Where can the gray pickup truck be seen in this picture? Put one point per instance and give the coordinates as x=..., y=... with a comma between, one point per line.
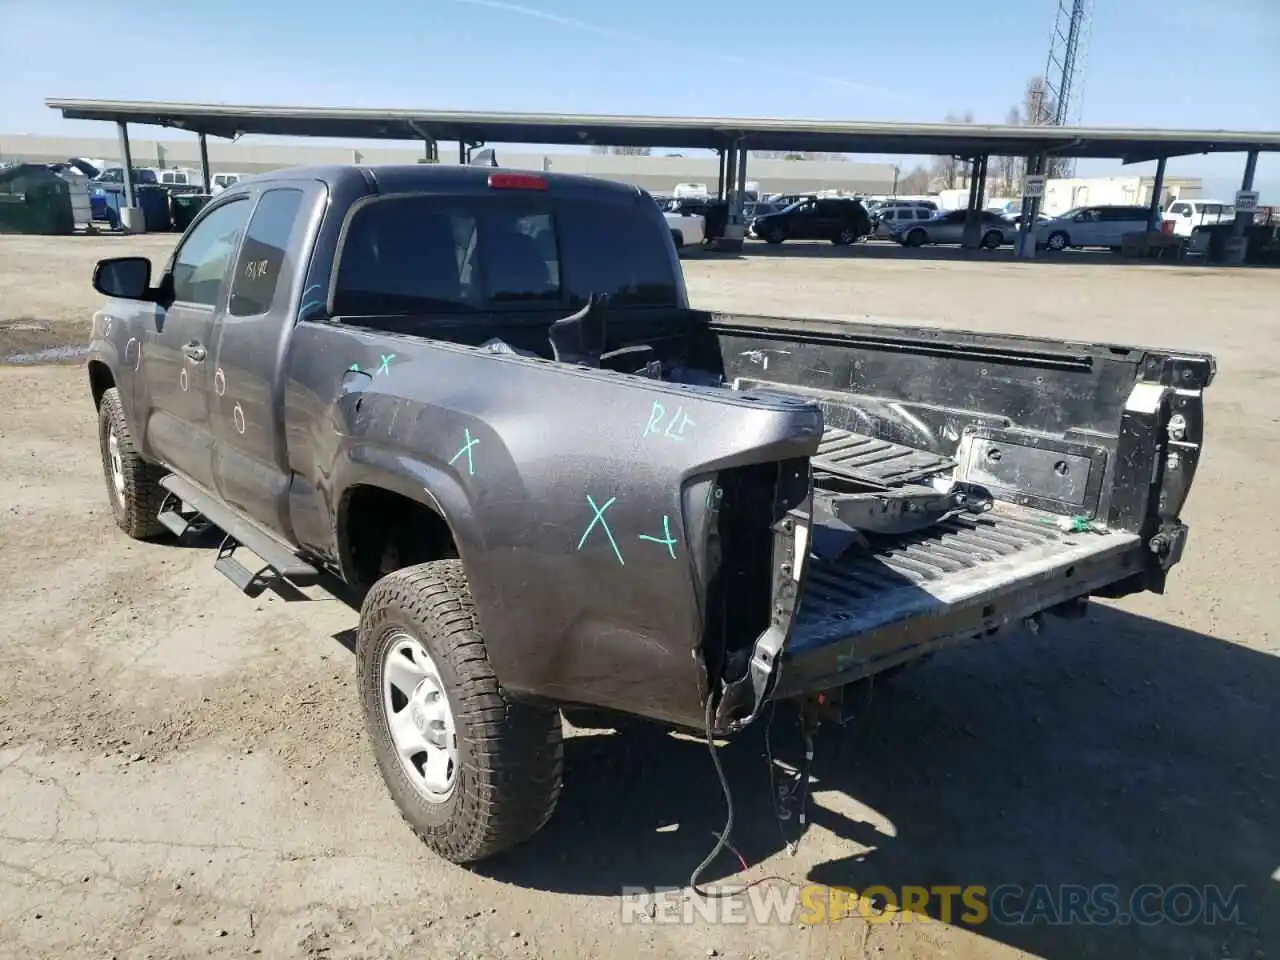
x=479, y=401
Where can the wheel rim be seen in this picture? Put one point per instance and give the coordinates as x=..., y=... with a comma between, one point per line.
x=419, y=718
x=846, y=236
x=117, y=464
x=1057, y=241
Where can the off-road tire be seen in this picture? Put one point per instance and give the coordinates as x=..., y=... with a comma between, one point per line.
x=137, y=507
x=510, y=754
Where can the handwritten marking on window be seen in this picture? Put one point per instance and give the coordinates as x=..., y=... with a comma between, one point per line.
x=255, y=269
x=466, y=449
x=599, y=518
x=354, y=367
x=667, y=540
x=675, y=425
x=385, y=366
x=714, y=495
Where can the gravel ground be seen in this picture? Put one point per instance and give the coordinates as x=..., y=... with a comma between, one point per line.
x=183, y=773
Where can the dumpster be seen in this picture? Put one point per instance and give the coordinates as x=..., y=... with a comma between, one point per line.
x=185, y=207
x=34, y=199
x=154, y=201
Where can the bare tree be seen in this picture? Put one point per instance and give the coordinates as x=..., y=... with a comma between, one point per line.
x=1008, y=170
x=622, y=151
x=796, y=155
x=1038, y=109
x=952, y=172
x=916, y=181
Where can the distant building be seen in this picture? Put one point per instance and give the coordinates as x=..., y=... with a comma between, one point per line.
x=657, y=174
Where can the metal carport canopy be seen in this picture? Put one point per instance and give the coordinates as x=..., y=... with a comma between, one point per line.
x=1133, y=145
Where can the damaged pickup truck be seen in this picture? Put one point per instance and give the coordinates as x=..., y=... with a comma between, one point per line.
x=480, y=400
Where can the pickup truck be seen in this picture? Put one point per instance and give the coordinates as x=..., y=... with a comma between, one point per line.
x=480, y=403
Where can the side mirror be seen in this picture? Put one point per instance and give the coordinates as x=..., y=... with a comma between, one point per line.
x=126, y=278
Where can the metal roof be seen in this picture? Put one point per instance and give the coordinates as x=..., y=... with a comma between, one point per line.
x=368, y=123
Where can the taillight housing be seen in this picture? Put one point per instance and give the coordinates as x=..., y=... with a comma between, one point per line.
x=516, y=181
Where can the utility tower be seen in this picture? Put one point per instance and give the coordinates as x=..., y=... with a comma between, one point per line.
x=1064, y=71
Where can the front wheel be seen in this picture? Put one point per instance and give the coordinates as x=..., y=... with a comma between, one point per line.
x=915, y=238
x=133, y=485
x=845, y=237
x=471, y=771
x=992, y=240
x=775, y=235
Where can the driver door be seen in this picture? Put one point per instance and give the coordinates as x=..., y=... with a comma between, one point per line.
x=177, y=355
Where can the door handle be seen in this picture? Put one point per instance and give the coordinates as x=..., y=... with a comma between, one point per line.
x=194, y=351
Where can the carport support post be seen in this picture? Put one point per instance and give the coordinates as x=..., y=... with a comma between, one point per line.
x=1243, y=219
x=1030, y=211
x=130, y=216
x=204, y=164
x=969, y=239
x=1157, y=190
x=735, y=172
x=720, y=184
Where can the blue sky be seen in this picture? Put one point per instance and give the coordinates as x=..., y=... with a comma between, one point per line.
x=1171, y=63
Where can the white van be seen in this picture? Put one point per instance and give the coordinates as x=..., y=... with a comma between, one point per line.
x=220, y=181
x=1098, y=226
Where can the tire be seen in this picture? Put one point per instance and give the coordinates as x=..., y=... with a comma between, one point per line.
x=507, y=757
x=133, y=485
x=993, y=240
x=1058, y=241
x=775, y=235
x=845, y=237
x=915, y=238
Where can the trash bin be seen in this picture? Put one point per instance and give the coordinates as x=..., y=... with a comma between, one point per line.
x=33, y=199
x=154, y=201
x=185, y=208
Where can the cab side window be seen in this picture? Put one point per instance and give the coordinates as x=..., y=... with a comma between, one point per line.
x=262, y=254
x=200, y=265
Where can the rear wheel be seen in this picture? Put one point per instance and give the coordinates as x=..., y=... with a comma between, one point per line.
x=915, y=238
x=1058, y=241
x=992, y=240
x=133, y=485
x=845, y=237
x=471, y=771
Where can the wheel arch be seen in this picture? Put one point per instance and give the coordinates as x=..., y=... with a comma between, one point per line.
x=385, y=502
x=101, y=379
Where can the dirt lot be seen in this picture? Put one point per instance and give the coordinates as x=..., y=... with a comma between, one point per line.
x=182, y=770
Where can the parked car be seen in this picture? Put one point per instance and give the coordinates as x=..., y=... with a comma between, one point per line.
x=1097, y=226
x=841, y=221
x=714, y=213
x=949, y=228
x=477, y=402
x=1185, y=215
x=687, y=229
x=886, y=218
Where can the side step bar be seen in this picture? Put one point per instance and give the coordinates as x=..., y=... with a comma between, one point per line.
x=279, y=561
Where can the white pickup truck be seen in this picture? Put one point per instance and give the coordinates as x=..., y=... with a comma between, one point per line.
x=687, y=229
x=1186, y=215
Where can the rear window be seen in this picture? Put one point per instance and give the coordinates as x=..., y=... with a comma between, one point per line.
x=425, y=254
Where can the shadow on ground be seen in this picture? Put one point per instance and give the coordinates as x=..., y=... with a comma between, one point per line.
x=1118, y=750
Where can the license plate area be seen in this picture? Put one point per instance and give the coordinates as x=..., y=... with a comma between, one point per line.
x=1047, y=473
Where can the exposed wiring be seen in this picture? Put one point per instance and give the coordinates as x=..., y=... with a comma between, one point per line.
x=723, y=838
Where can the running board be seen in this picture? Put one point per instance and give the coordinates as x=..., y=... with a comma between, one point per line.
x=279, y=563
